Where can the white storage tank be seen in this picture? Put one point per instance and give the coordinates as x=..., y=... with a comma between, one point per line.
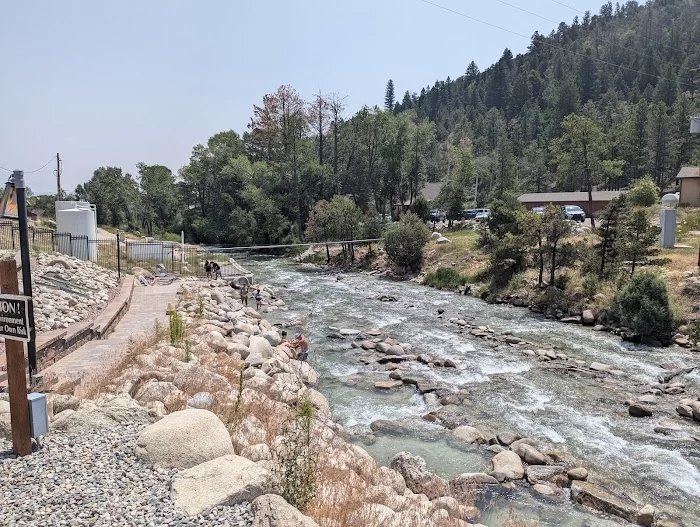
x=76, y=229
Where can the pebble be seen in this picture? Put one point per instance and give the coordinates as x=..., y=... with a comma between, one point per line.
x=95, y=479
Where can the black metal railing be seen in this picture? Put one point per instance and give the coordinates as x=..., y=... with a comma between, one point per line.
x=123, y=254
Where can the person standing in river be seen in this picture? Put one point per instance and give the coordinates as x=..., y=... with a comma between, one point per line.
x=258, y=299
x=207, y=269
x=217, y=270
x=244, y=295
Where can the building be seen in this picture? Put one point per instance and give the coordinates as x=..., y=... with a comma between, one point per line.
x=429, y=192
x=689, y=180
x=600, y=199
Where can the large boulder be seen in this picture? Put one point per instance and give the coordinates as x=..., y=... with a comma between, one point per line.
x=547, y=474
x=107, y=411
x=184, y=439
x=217, y=342
x=417, y=476
x=508, y=463
x=530, y=454
x=588, y=317
x=271, y=510
x=468, y=434
x=226, y=480
x=508, y=438
x=260, y=346
x=272, y=337
x=472, y=478
x=166, y=392
x=390, y=478
x=597, y=498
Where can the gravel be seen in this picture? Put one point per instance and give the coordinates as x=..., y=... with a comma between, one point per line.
x=95, y=479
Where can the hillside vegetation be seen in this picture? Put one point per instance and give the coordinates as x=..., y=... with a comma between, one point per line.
x=622, y=75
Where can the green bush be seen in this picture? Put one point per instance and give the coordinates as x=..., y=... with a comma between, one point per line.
x=446, y=278
x=644, y=306
x=645, y=193
x=404, y=241
x=421, y=208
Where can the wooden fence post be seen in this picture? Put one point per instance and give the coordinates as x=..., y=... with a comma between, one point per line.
x=16, y=370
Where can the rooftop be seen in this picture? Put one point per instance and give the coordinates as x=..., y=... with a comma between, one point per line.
x=689, y=172
x=566, y=197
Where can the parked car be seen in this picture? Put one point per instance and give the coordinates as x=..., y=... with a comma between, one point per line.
x=573, y=212
x=538, y=210
x=471, y=214
x=438, y=215
x=483, y=215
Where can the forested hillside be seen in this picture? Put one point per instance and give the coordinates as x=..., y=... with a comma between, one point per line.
x=617, y=85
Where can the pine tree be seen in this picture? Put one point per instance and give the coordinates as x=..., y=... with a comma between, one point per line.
x=609, y=232
x=389, y=100
x=638, y=240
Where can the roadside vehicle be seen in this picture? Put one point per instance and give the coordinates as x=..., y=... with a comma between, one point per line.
x=483, y=215
x=538, y=210
x=438, y=215
x=573, y=212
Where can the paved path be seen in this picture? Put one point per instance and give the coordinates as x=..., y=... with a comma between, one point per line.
x=148, y=304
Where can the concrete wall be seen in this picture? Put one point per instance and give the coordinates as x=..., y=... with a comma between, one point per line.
x=690, y=192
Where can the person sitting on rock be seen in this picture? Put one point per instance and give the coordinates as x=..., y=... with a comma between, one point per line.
x=301, y=344
x=284, y=337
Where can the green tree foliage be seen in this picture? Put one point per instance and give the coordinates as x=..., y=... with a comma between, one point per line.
x=337, y=220
x=645, y=307
x=116, y=196
x=609, y=231
x=503, y=218
x=389, y=97
x=645, y=193
x=421, y=208
x=404, y=241
x=159, y=201
x=638, y=240
x=555, y=229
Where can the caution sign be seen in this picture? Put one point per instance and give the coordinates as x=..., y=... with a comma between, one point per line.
x=14, y=317
x=8, y=206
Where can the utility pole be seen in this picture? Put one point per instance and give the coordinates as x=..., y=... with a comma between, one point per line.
x=58, y=177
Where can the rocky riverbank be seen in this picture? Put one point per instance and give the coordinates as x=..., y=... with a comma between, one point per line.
x=207, y=424
x=527, y=462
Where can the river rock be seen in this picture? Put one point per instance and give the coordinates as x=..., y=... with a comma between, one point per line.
x=684, y=410
x=544, y=490
x=226, y=480
x=508, y=438
x=570, y=320
x=472, y=478
x=496, y=448
x=260, y=346
x=272, y=337
x=271, y=510
x=424, y=386
x=530, y=454
x=510, y=339
x=395, y=350
x=645, y=516
x=367, y=345
x=201, y=400
x=388, y=385
x=418, y=478
x=509, y=463
x=639, y=410
x=546, y=474
x=578, y=474
x=588, y=317
x=696, y=410
x=184, y=439
x=383, y=347
x=600, y=499
x=599, y=366
x=469, y=435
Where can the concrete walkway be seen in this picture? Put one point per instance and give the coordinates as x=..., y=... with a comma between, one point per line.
x=88, y=362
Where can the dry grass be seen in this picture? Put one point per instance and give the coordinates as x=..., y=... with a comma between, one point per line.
x=461, y=254
x=511, y=520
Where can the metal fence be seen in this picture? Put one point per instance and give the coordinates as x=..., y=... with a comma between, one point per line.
x=125, y=255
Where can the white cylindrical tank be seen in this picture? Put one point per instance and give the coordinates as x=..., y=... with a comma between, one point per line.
x=76, y=229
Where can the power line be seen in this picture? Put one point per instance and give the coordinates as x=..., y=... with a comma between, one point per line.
x=608, y=41
x=649, y=39
x=554, y=46
x=32, y=171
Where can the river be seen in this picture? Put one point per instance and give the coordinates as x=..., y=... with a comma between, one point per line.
x=508, y=391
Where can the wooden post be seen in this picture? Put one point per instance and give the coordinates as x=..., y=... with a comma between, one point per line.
x=16, y=370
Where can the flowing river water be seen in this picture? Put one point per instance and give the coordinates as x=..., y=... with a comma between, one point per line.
x=507, y=391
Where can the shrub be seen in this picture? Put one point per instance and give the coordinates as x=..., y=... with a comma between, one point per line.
x=296, y=458
x=644, y=306
x=446, y=278
x=421, y=208
x=177, y=327
x=404, y=241
x=645, y=193
x=590, y=285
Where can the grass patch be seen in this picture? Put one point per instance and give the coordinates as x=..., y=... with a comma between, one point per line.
x=447, y=278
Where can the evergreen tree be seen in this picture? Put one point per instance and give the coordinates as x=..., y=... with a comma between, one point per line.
x=389, y=99
x=609, y=232
x=638, y=239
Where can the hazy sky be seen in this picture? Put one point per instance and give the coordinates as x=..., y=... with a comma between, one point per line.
x=122, y=81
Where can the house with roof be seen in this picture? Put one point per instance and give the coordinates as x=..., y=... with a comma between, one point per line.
x=542, y=199
x=430, y=191
x=689, y=180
